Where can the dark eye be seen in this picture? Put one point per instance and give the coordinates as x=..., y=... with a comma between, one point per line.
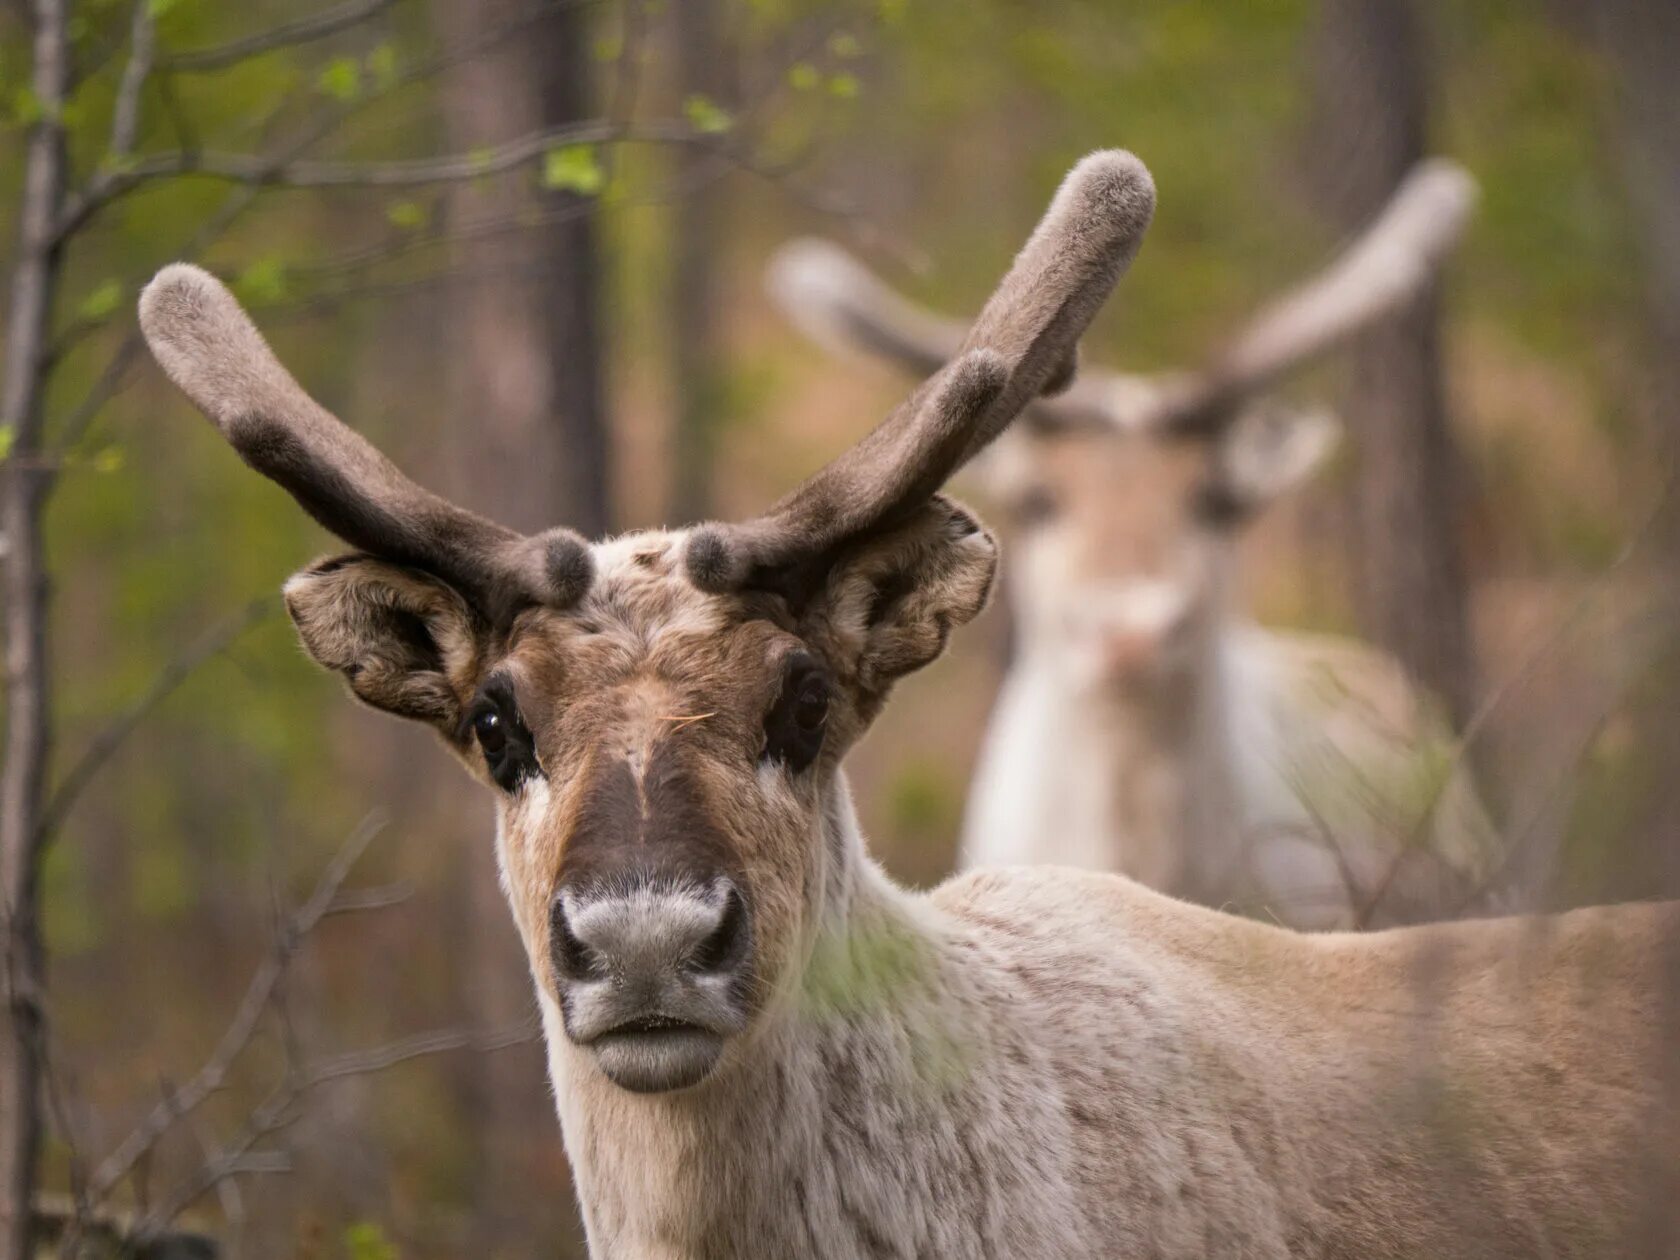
x=810, y=704
x=509, y=751
x=1037, y=505
x=491, y=731
x=794, y=727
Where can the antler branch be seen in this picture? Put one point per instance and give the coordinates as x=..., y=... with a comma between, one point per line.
x=1393, y=261
x=210, y=348
x=1023, y=343
x=836, y=300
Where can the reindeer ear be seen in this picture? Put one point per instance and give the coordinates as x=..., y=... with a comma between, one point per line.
x=1268, y=452
x=890, y=604
x=404, y=641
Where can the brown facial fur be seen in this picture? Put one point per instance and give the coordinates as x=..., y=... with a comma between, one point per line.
x=1097, y=519
x=646, y=704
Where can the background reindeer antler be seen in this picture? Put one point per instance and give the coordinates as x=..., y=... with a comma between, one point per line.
x=839, y=302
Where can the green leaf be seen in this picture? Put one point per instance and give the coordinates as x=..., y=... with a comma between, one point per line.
x=844, y=44
x=8, y=435
x=365, y=1240
x=102, y=301
x=27, y=109
x=381, y=66
x=407, y=215
x=157, y=8
x=843, y=85
x=341, y=79
x=109, y=460
x=802, y=76
x=607, y=48
x=707, y=116
x=573, y=168
x=263, y=281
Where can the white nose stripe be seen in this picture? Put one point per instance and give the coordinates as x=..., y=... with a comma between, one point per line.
x=1137, y=608
x=644, y=928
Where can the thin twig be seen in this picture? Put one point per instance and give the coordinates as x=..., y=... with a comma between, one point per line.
x=287, y=34
x=259, y=995
x=364, y=899
x=105, y=744
x=125, y=114
x=246, y=168
x=279, y=1109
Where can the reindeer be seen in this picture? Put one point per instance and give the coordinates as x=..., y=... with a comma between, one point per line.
x=1144, y=724
x=761, y=1046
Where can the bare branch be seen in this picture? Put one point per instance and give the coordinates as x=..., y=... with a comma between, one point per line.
x=259, y=996
x=125, y=114
x=397, y=173
x=286, y=35
x=111, y=183
x=240, y=1155
x=105, y=744
x=380, y=898
x=418, y=1046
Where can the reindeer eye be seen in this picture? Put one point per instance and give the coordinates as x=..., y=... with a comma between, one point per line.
x=810, y=704
x=509, y=751
x=793, y=729
x=489, y=728
x=1037, y=505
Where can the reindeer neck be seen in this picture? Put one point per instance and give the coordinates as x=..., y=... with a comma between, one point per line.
x=801, y=1145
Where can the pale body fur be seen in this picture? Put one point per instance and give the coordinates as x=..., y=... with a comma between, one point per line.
x=1041, y=1064
x=1332, y=791
x=1038, y=1062
x=1332, y=761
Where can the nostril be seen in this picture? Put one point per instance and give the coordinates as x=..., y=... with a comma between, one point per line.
x=572, y=958
x=726, y=947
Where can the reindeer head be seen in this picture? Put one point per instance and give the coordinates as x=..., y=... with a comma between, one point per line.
x=1125, y=492
x=661, y=716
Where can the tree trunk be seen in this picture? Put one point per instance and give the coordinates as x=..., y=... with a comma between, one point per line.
x=1642, y=40
x=697, y=380
x=1403, y=498
x=24, y=581
x=525, y=441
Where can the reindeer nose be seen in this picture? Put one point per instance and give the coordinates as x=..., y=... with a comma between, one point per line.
x=649, y=938
x=651, y=978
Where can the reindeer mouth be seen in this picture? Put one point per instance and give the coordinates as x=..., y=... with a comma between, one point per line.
x=652, y=1054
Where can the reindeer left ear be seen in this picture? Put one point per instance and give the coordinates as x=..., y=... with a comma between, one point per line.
x=1267, y=453
x=403, y=641
x=889, y=606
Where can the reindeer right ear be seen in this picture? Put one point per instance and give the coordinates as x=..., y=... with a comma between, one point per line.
x=404, y=641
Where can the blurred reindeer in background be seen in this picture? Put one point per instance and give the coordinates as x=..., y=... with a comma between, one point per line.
x=1145, y=724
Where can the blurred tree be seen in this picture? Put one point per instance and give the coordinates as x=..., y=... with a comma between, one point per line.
x=697, y=351
x=527, y=443
x=1403, y=499
x=23, y=578
x=1642, y=40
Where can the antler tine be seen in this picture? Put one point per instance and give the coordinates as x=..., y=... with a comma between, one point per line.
x=1390, y=263
x=1023, y=342
x=840, y=304
x=209, y=347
